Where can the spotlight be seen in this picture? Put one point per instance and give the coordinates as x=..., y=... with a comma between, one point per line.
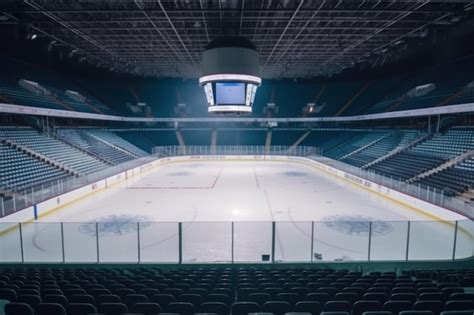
x=51, y=45
x=72, y=53
x=33, y=36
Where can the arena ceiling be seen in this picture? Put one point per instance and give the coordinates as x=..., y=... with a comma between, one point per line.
x=295, y=38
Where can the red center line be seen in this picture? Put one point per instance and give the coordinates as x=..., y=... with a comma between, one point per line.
x=180, y=187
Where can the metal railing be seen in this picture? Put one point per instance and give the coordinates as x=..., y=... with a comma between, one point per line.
x=126, y=241
x=170, y=151
x=235, y=242
x=22, y=198
x=18, y=198
x=430, y=194
x=426, y=193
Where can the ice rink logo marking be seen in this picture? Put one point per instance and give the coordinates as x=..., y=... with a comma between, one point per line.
x=182, y=173
x=115, y=225
x=294, y=174
x=357, y=225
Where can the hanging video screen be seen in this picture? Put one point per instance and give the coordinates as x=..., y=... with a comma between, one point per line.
x=230, y=93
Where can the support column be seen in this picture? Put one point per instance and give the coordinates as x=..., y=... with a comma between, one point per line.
x=268, y=141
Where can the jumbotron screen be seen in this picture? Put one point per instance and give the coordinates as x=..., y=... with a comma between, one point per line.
x=230, y=93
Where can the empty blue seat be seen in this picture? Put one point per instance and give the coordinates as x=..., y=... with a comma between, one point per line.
x=80, y=309
x=243, y=308
x=182, y=308
x=145, y=308
x=50, y=309
x=276, y=307
x=213, y=308
x=18, y=309
x=337, y=306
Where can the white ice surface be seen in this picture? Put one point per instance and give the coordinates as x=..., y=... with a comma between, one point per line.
x=206, y=196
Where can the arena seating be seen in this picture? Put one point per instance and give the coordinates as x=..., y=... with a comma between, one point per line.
x=12, y=92
x=454, y=180
x=54, y=149
x=427, y=155
x=197, y=136
x=75, y=104
x=137, y=138
x=452, y=83
x=327, y=140
x=96, y=149
x=110, y=137
x=376, y=90
x=336, y=94
x=231, y=291
x=361, y=140
x=240, y=136
x=21, y=170
x=150, y=137
x=451, y=143
x=406, y=165
x=332, y=97
x=90, y=143
x=380, y=148
x=286, y=136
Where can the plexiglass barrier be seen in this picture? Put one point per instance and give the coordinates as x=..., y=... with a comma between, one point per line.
x=234, y=242
x=15, y=199
x=20, y=198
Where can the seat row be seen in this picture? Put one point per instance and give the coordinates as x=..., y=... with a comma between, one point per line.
x=242, y=308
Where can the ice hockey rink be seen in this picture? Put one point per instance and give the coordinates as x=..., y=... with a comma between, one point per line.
x=317, y=217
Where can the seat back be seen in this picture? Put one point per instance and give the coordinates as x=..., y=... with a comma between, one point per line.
x=277, y=307
x=50, y=309
x=183, y=308
x=337, y=306
x=459, y=305
x=429, y=305
x=112, y=308
x=80, y=309
x=243, y=308
x=397, y=306
x=145, y=308
x=366, y=306
x=18, y=309
x=214, y=308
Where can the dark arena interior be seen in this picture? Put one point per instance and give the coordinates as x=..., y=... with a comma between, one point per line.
x=234, y=157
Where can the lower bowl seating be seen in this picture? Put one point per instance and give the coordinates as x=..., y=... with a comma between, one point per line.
x=233, y=291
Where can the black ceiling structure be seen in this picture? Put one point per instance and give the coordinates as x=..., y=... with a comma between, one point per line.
x=295, y=38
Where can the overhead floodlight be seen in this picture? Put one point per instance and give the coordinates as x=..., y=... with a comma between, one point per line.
x=51, y=45
x=72, y=53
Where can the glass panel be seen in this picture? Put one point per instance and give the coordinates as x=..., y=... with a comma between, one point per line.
x=118, y=241
x=465, y=239
x=389, y=240
x=8, y=206
x=207, y=242
x=10, y=246
x=80, y=242
x=252, y=241
x=341, y=240
x=42, y=242
x=293, y=241
x=19, y=201
x=431, y=240
x=159, y=242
